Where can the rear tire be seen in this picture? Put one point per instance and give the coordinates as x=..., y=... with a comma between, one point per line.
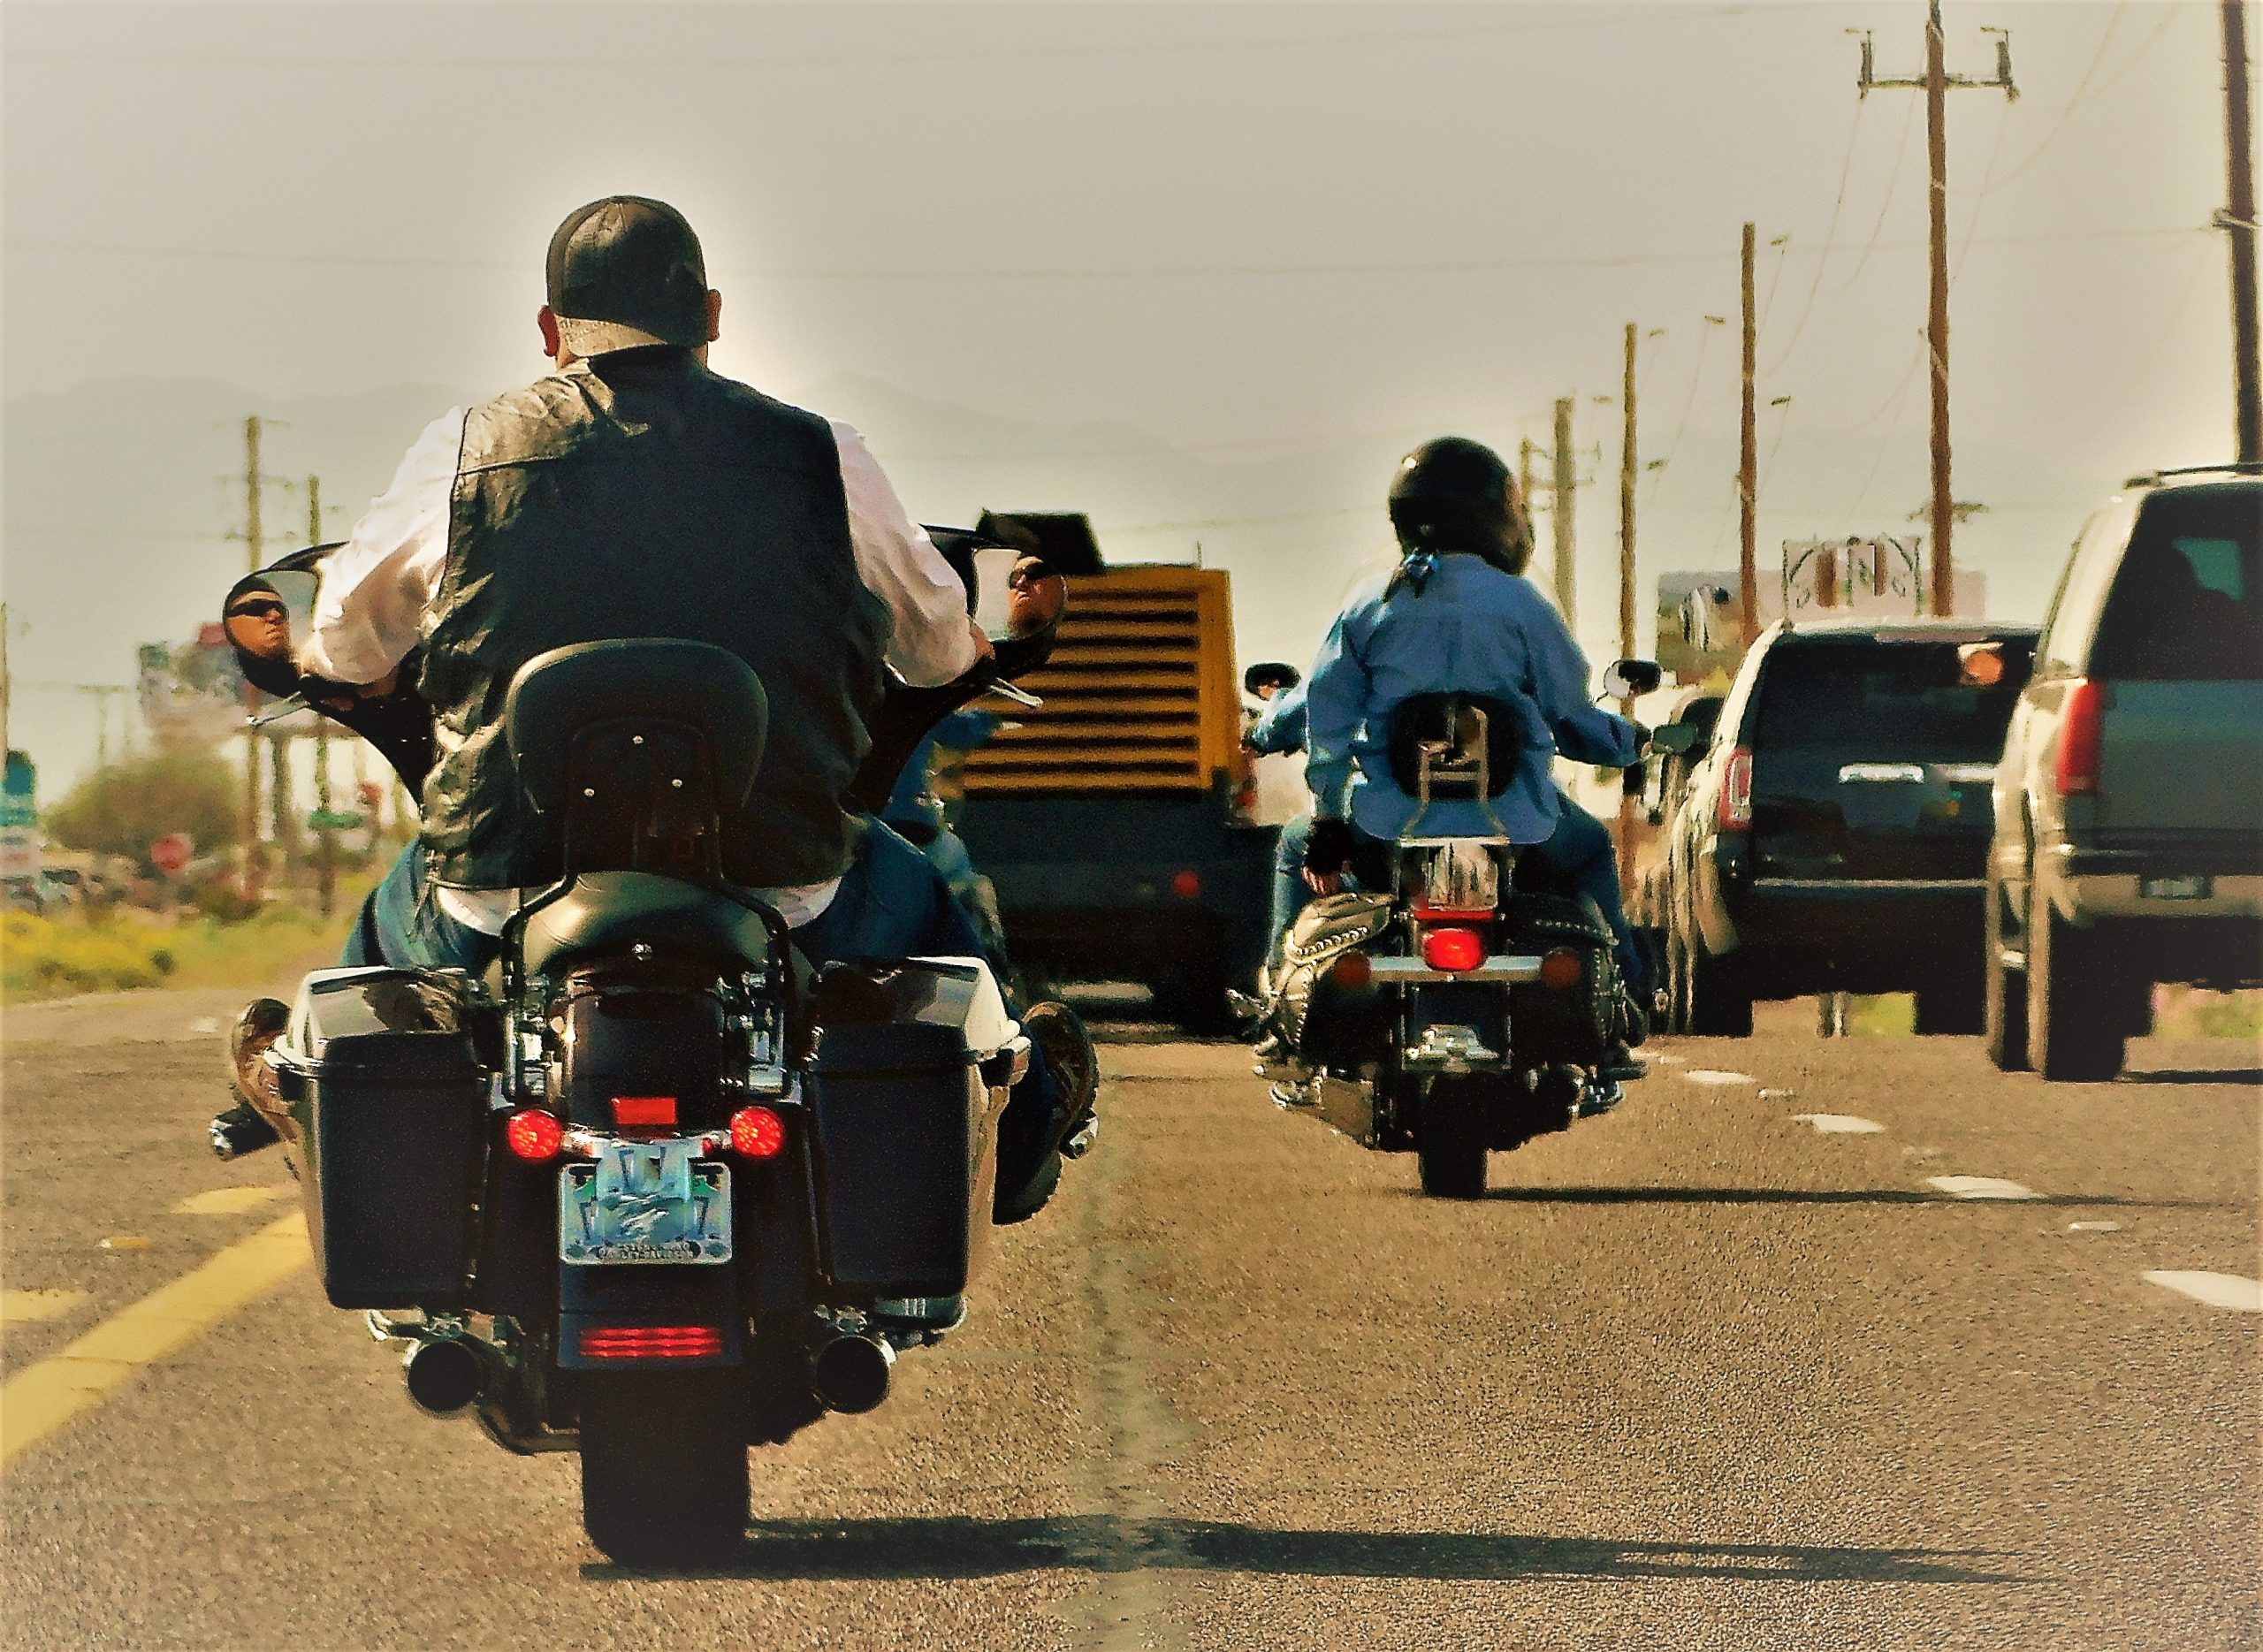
x=1955, y=1009
x=1450, y=1140
x=2074, y=1031
x=2003, y=993
x=1718, y=1004
x=665, y=1478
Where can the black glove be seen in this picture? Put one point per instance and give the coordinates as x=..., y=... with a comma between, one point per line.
x=1642, y=733
x=1328, y=851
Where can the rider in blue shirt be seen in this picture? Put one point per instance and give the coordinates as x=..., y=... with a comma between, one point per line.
x=1457, y=615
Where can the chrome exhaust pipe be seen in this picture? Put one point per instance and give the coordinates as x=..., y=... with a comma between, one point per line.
x=851, y=1375
x=444, y=1373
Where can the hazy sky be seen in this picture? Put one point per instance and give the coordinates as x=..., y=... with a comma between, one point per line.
x=1240, y=229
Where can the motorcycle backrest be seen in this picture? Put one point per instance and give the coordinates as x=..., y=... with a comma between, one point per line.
x=639, y=747
x=1455, y=746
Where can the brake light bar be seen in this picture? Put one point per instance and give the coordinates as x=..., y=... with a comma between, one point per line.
x=644, y=1112
x=2081, y=738
x=1734, y=812
x=651, y=1342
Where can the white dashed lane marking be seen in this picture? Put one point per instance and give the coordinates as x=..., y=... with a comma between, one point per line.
x=1838, y=1123
x=2093, y=1227
x=2218, y=1291
x=1715, y=1076
x=1979, y=1187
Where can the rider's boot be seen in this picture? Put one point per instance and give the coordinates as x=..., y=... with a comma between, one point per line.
x=259, y=1118
x=1050, y=1116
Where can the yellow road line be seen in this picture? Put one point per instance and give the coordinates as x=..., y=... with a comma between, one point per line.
x=228, y=1201
x=22, y=1307
x=42, y=1396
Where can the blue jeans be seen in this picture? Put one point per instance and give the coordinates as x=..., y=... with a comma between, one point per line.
x=1578, y=857
x=891, y=904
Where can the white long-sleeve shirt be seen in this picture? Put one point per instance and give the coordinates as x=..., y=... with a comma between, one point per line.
x=377, y=589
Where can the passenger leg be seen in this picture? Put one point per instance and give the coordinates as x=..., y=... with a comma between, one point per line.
x=1289, y=891
x=1582, y=854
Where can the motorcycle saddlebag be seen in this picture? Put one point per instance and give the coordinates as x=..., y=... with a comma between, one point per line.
x=1313, y=1019
x=1569, y=1025
x=382, y=1075
x=902, y=1139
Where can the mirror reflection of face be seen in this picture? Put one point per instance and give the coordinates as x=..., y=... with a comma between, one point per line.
x=1035, y=596
x=260, y=624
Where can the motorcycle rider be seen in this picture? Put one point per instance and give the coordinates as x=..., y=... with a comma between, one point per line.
x=632, y=491
x=1458, y=615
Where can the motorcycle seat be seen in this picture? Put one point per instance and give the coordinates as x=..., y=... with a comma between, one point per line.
x=606, y=911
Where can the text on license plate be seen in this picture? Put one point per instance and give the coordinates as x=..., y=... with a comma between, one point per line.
x=648, y=1203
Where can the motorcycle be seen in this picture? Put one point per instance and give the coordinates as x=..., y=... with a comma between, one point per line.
x=1467, y=1008
x=654, y=1192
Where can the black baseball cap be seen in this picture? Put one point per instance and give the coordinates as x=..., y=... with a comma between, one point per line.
x=625, y=272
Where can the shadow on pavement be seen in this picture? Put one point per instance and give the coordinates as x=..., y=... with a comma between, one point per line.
x=902, y=1550
x=1811, y=1196
x=2197, y=1075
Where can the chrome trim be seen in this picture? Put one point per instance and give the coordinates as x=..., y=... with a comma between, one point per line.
x=1448, y=1049
x=1512, y=969
x=1968, y=773
x=1900, y=772
x=1759, y=885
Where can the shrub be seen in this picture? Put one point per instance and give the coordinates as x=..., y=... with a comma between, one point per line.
x=123, y=809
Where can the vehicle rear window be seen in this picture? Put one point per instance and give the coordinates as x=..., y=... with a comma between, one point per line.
x=2187, y=603
x=1900, y=699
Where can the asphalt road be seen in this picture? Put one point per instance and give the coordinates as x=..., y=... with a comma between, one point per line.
x=1700, y=1373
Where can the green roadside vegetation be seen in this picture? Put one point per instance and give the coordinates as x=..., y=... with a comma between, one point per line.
x=54, y=957
x=2179, y=1012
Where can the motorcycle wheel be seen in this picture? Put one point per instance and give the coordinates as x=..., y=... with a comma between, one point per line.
x=1450, y=1140
x=665, y=1480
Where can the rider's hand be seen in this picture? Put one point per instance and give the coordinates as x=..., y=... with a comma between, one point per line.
x=1328, y=854
x=1643, y=732
x=984, y=648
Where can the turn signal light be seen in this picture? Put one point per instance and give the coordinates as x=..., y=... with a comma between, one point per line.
x=644, y=1112
x=1560, y=969
x=1351, y=971
x=651, y=1342
x=1734, y=813
x=757, y=1132
x=533, y=1135
x=2080, y=738
x=1451, y=949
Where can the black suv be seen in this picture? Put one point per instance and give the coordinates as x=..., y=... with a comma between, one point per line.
x=1834, y=834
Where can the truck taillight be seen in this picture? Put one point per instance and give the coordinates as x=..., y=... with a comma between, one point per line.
x=1734, y=813
x=1452, y=948
x=2080, y=739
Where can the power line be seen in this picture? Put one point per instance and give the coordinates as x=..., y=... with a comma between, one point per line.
x=1885, y=202
x=1846, y=171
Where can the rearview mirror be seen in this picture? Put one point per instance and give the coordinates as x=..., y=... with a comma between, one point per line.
x=267, y=616
x=1680, y=739
x=1631, y=679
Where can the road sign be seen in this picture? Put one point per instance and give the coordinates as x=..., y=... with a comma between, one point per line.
x=172, y=852
x=336, y=821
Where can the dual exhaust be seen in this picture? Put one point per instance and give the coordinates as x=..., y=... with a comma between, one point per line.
x=448, y=1373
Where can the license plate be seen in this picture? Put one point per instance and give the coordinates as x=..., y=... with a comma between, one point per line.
x=2195, y=887
x=645, y=1204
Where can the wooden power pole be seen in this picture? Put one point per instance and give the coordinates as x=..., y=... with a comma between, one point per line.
x=2238, y=221
x=253, y=482
x=1936, y=83
x=325, y=830
x=1564, y=497
x=1525, y=450
x=1627, y=467
x=1747, y=469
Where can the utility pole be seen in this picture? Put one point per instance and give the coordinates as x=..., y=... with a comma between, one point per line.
x=1525, y=450
x=1628, y=468
x=1564, y=494
x=325, y=830
x=253, y=483
x=1747, y=468
x=1936, y=84
x=2238, y=221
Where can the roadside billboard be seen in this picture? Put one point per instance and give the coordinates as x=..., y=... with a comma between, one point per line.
x=191, y=693
x=20, y=818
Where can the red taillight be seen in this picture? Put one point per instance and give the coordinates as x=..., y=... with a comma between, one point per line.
x=1351, y=971
x=1186, y=885
x=757, y=1132
x=1451, y=948
x=2079, y=740
x=651, y=1342
x=644, y=1112
x=533, y=1135
x=1735, y=812
x=1560, y=969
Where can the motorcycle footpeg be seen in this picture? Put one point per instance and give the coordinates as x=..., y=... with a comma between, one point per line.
x=1243, y=1005
x=1080, y=1140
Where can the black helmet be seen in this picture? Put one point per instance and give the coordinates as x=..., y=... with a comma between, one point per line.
x=1455, y=494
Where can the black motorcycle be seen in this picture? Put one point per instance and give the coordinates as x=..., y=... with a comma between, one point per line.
x=655, y=1192
x=1467, y=1008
